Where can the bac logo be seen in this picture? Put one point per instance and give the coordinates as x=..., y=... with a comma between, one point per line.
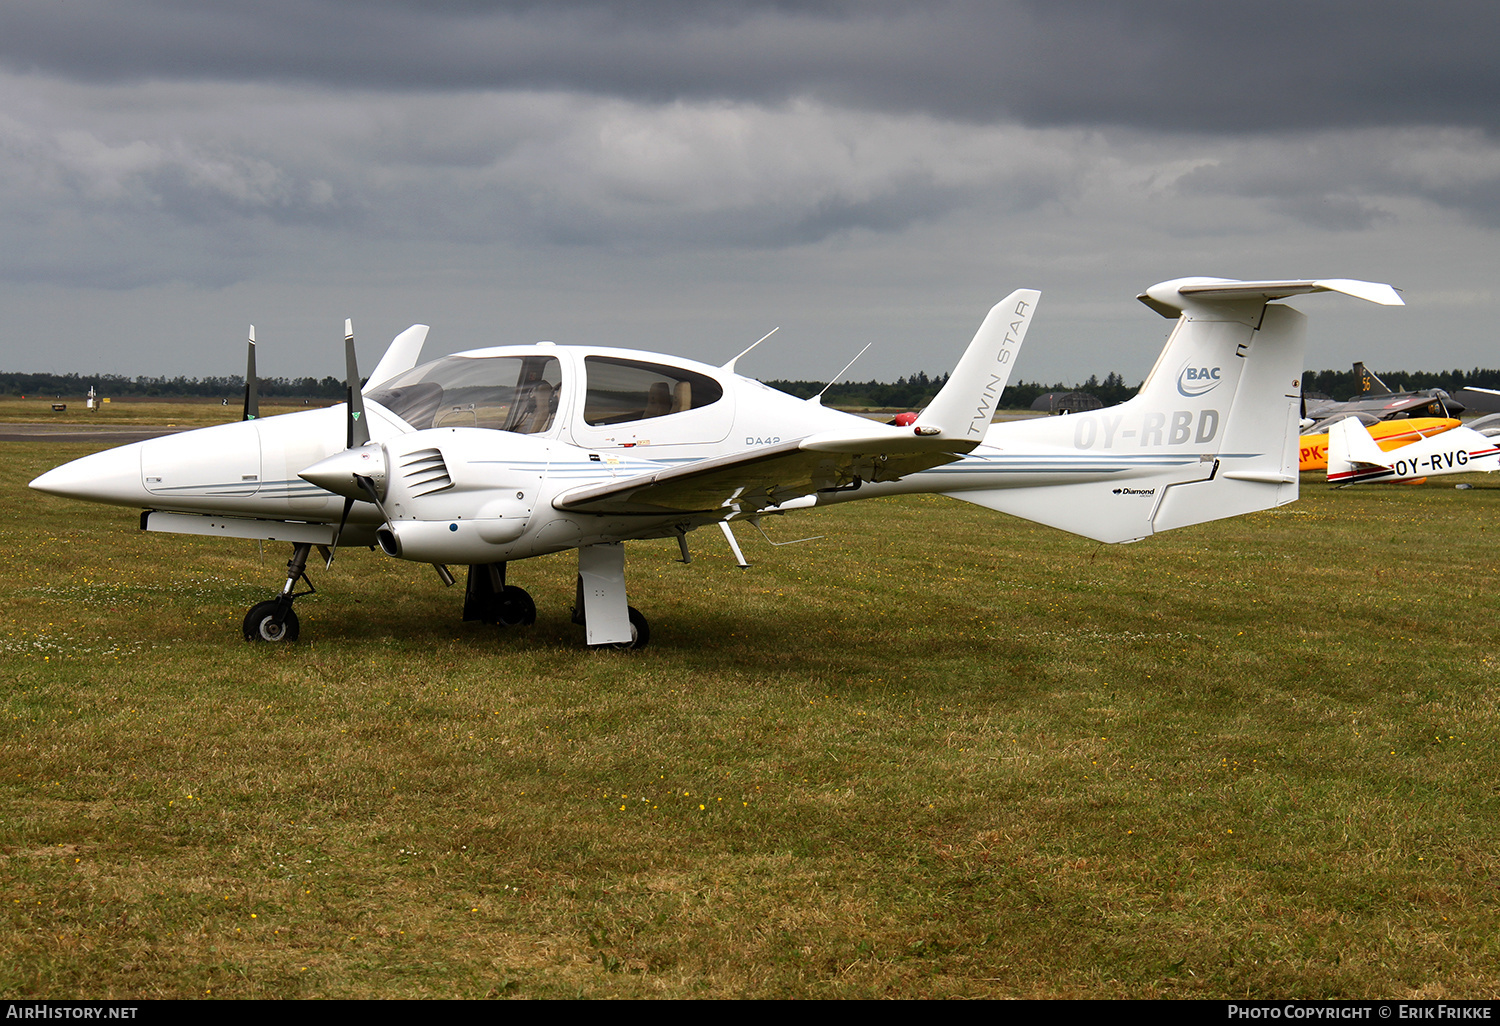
x=1195, y=381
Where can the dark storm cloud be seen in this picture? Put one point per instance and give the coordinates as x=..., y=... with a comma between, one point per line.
x=1350, y=181
x=1165, y=65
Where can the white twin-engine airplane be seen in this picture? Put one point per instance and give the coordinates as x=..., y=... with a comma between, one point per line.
x=499, y=454
x=1354, y=458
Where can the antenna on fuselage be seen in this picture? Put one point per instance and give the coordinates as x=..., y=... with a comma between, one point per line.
x=730, y=365
x=819, y=397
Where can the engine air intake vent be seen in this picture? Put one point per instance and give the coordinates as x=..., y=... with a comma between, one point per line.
x=425, y=472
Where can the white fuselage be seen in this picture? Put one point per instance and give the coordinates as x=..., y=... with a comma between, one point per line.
x=496, y=504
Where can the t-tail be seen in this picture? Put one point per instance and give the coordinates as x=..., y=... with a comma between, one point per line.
x=1211, y=434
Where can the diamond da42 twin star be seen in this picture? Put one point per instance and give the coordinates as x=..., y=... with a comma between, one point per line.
x=494, y=455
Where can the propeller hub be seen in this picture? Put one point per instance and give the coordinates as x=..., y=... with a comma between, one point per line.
x=340, y=473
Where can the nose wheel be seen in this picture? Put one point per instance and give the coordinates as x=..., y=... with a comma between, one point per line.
x=274, y=620
x=268, y=621
x=514, y=607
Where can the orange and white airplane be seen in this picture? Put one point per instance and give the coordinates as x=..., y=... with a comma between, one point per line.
x=1354, y=458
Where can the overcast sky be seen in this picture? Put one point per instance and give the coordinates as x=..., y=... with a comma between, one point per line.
x=685, y=175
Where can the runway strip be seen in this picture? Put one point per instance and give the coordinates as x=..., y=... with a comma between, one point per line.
x=80, y=433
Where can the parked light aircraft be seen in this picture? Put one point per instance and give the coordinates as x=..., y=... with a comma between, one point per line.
x=1354, y=458
x=1388, y=434
x=495, y=455
x=1375, y=397
x=1479, y=400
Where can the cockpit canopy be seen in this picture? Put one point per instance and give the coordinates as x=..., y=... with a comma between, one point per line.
x=508, y=393
x=524, y=393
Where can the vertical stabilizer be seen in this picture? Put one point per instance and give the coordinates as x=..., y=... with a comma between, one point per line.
x=1350, y=448
x=1369, y=383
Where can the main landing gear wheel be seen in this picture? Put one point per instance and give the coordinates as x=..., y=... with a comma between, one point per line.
x=265, y=622
x=514, y=607
x=639, y=633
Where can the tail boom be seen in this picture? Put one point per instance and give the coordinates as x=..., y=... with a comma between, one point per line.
x=1211, y=434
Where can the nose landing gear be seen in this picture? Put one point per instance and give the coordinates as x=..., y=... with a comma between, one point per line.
x=274, y=620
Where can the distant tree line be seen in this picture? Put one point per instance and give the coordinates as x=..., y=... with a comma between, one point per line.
x=1343, y=384
x=911, y=392
x=915, y=391
x=119, y=386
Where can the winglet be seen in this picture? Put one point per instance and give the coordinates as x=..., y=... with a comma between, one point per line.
x=963, y=409
x=252, y=383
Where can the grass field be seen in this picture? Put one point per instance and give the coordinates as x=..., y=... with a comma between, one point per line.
x=941, y=752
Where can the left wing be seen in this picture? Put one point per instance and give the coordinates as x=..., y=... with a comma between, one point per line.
x=744, y=482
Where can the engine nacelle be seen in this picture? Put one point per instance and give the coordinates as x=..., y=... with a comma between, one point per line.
x=454, y=495
x=453, y=541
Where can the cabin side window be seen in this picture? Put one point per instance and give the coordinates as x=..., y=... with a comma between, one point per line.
x=620, y=391
x=507, y=393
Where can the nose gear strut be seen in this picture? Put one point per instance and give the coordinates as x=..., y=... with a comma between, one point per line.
x=274, y=620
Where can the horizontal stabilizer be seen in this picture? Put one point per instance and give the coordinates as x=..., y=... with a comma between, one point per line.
x=1174, y=298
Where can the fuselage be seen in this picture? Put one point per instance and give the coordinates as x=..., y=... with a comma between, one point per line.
x=481, y=442
x=534, y=420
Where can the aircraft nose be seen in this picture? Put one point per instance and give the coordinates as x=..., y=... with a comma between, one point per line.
x=112, y=476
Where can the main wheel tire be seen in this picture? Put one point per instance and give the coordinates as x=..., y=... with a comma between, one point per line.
x=262, y=624
x=515, y=607
x=640, y=633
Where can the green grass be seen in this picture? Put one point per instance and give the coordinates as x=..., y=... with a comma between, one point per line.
x=941, y=752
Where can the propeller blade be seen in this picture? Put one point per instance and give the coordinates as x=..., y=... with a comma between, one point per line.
x=359, y=431
x=333, y=551
x=357, y=435
x=367, y=486
x=252, y=386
